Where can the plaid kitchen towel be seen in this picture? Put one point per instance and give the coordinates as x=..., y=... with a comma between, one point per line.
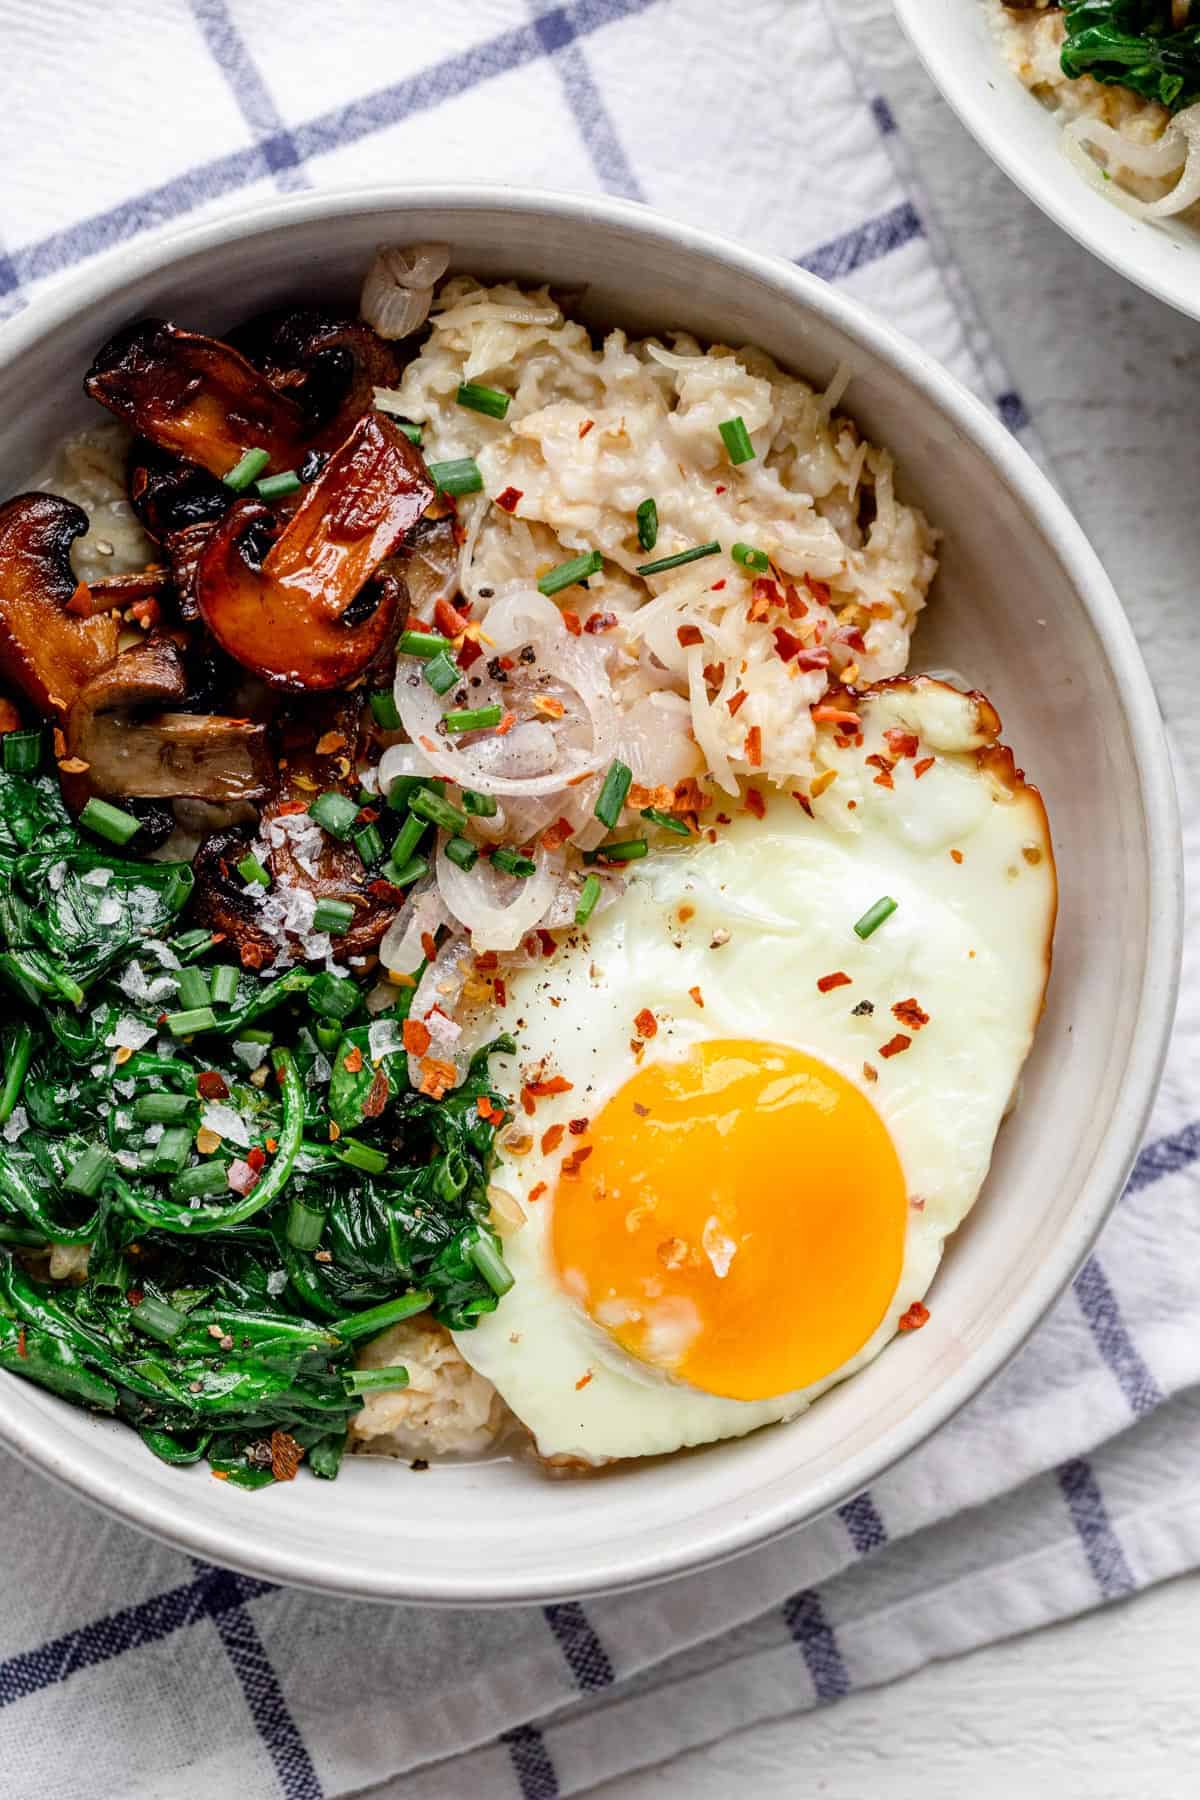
x=127, y=1669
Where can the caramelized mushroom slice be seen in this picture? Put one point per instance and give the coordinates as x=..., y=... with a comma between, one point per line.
x=331, y=366
x=46, y=651
x=220, y=900
x=160, y=754
x=297, y=616
x=195, y=397
x=170, y=495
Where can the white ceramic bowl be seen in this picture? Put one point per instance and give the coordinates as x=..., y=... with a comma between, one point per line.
x=1021, y=605
x=955, y=41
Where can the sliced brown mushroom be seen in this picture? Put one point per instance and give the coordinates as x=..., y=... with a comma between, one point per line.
x=196, y=397
x=330, y=365
x=303, y=615
x=170, y=495
x=122, y=727
x=45, y=650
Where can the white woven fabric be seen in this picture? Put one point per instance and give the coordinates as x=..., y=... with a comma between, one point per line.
x=126, y=1669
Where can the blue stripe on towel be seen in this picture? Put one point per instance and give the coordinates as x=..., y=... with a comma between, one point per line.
x=804, y=1616
x=868, y=243
x=1089, y=1515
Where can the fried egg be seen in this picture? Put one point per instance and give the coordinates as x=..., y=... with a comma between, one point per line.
x=749, y=1128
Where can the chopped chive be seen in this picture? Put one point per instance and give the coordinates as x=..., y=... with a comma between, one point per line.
x=589, y=893
x=874, y=916
x=480, y=806
x=404, y=785
x=360, y=1156
x=750, y=558
x=668, y=821
x=156, y=1318
x=169, y=1156
x=378, y=1318
x=247, y=469
x=274, y=487
x=632, y=850
x=647, y=524
x=201, y=1182
x=333, y=916
x=477, y=398
x=335, y=813
x=369, y=845
x=491, y=1265
x=462, y=851
x=736, y=440
x=22, y=752
x=87, y=1172
x=441, y=673
x=478, y=718
x=197, y=1018
x=190, y=946
x=373, y=1381
x=567, y=574
x=16, y=1067
x=404, y=876
x=437, y=810
x=421, y=643
x=251, y=1034
x=513, y=863
x=304, y=1225
x=250, y=869
x=328, y=1035
x=408, y=839
x=461, y=475
x=411, y=432
x=333, y=996
x=193, y=988
x=109, y=822
x=383, y=705
x=162, y=1109
x=613, y=794
x=683, y=556
x=224, y=984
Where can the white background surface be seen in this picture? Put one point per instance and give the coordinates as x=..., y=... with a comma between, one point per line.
x=1106, y=1707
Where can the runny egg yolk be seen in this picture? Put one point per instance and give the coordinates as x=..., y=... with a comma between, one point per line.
x=739, y=1220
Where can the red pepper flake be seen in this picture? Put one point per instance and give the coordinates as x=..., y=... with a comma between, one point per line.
x=755, y=803
x=272, y=1145
x=754, y=747
x=572, y=621
x=571, y=1165
x=835, y=715
x=352, y=1062
x=500, y=989
x=714, y=674
x=736, y=701
x=795, y=605
x=22, y=1352
x=486, y=961
x=717, y=586
x=449, y=621
x=285, y=1455
x=577, y=1127
x=804, y=803
x=212, y=1085
x=483, y=1107
x=549, y=706
x=895, y=1045
x=910, y=1013
x=583, y=1381
x=535, y=1193
x=838, y=979
x=469, y=654
x=556, y=835
x=884, y=779
x=145, y=613
x=414, y=1035
x=587, y=426
x=548, y=942
x=256, y=1157
x=901, y=743
x=437, y=1077
x=720, y=489
x=852, y=638
x=922, y=768
x=645, y=1024
x=696, y=995
x=916, y=1316
x=956, y=856
x=786, y=646
x=510, y=499
x=819, y=590
x=552, y=1137
x=377, y=1097
x=506, y=724
x=528, y=1104
x=689, y=634
x=557, y=1084
x=428, y=945
x=600, y=621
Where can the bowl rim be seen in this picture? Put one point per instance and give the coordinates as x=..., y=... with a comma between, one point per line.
x=237, y=1544
x=1038, y=176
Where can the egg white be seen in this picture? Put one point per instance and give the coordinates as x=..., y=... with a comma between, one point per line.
x=773, y=903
